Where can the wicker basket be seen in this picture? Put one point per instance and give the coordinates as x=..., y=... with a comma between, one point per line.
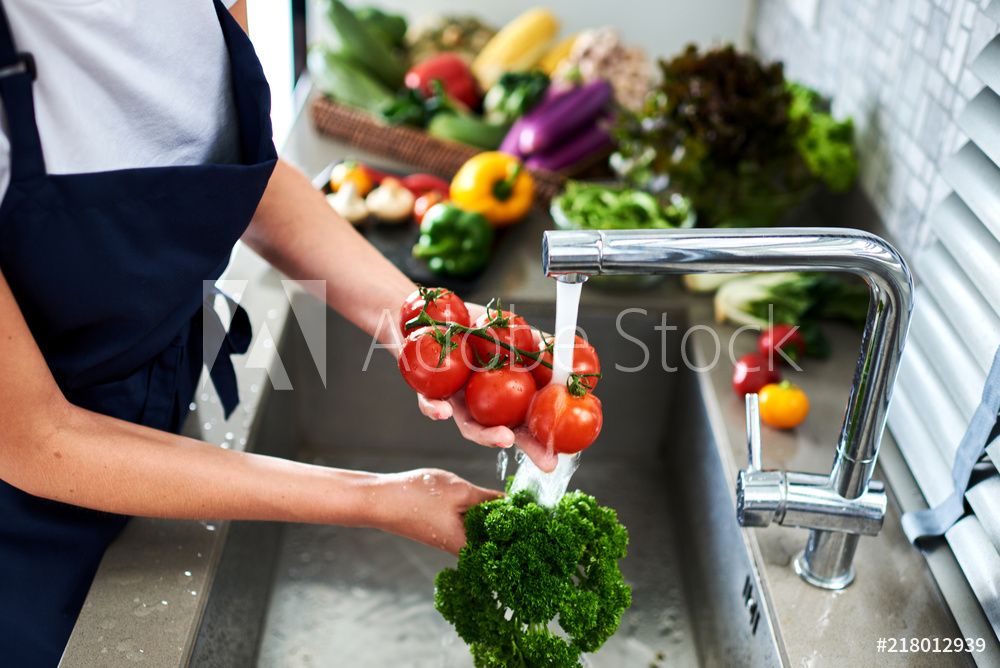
x=409, y=145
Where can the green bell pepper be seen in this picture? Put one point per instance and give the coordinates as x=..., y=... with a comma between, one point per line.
x=454, y=241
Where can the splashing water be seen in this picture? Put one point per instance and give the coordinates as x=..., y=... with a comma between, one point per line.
x=502, y=465
x=550, y=487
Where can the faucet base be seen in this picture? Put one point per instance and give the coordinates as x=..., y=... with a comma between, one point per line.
x=838, y=582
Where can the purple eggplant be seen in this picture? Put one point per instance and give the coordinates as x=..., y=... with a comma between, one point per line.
x=511, y=142
x=563, y=116
x=585, y=145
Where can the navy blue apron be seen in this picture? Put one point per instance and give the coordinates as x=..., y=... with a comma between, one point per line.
x=108, y=269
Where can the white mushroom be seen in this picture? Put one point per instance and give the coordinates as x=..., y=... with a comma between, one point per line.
x=391, y=201
x=348, y=203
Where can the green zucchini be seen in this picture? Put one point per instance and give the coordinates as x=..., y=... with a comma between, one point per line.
x=467, y=129
x=338, y=76
x=359, y=44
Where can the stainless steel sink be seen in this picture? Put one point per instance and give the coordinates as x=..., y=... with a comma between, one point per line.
x=326, y=596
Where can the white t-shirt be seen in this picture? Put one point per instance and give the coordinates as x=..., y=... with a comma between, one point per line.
x=125, y=84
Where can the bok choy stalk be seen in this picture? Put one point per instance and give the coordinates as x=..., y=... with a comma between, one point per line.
x=793, y=298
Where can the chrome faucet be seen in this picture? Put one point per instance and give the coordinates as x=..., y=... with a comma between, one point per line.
x=840, y=507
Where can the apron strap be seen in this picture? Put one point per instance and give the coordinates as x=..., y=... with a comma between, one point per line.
x=17, y=74
x=220, y=343
x=936, y=521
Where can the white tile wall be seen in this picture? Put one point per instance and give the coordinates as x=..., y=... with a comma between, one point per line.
x=900, y=68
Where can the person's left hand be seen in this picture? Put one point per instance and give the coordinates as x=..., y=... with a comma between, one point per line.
x=491, y=437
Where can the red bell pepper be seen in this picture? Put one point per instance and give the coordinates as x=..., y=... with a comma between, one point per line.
x=420, y=183
x=451, y=71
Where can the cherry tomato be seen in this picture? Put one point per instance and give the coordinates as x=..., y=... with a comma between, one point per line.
x=442, y=304
x=585, y=362
x=426, y=371
x=753, y=372
x=351, y=172
x=516, y=332
x=500, y=396
x=564, y=422
x=783, y=405
x=425, y=202
x=781, y=339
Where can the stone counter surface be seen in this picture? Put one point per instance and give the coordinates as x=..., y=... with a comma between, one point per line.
x=147, y=600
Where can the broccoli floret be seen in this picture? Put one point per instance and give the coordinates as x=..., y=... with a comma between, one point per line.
x=525, y=565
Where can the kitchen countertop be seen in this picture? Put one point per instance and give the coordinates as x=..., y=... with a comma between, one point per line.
x=147, y=599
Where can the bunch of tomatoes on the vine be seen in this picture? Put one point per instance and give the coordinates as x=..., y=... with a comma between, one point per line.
x=505, y=370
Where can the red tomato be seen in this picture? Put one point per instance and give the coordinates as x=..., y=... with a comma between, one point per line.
x=516, y=333
x=501, y=396
x=753, y=372
x=425, y=202
x=585, y=361
x=442, y=304
x=426, y=371
x=781, y=338
x=563, y=422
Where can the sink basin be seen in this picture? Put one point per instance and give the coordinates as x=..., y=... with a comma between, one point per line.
x=302, y=595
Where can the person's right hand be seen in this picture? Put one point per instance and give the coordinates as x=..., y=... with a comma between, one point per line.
x=427, y=505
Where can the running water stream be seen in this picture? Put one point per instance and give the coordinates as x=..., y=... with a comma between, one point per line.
x=550, y=487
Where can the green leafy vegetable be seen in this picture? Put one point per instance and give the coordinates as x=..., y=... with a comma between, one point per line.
x=525, y=565
x=596, y=207
x=802, y=299
x=726, y=130
x=826, y=144
x=514, y=95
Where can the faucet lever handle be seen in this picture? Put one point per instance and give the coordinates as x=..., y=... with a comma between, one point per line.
x=753, y=431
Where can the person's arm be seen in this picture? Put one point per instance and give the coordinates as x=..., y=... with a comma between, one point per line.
x=297, y=231
x=55, y=450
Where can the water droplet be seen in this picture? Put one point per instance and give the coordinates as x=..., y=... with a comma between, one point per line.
x=207, y=426
x=426, y=477
x=188, y=573
x=502, y=460
x=229, y=436
x=164, y=603
x=253, y=387
x=204, y=396
x=210, y=527
x=194, y=593
x=192, y=406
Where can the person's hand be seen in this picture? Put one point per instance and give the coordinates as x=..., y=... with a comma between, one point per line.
x=491, y=437
x=427, y=505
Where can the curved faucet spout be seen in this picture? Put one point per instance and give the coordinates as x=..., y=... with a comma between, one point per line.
x=828, y=554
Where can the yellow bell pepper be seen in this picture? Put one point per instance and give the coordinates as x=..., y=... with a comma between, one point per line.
x=494, y=184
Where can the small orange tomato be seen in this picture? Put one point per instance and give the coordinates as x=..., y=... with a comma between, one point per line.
x=783, y=405
x=350, y=171
x=425, y=202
